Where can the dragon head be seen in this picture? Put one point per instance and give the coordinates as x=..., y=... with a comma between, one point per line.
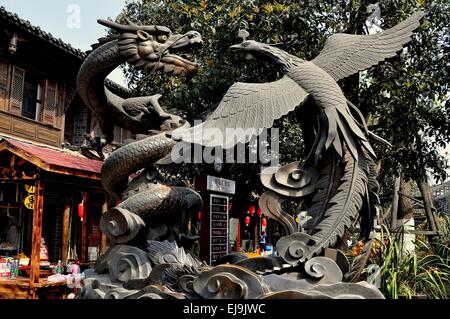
x=152, y=48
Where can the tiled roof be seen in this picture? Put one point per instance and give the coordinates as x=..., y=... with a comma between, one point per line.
x=27, y=26
x=37, y=31
x=53, y=160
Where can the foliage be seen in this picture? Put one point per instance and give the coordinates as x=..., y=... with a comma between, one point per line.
x=426, y=272
x=410, y=108
x=443, y=224
x=415, y=117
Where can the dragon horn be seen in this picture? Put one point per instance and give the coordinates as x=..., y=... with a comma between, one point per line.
x=130, y=22
x=132, y=27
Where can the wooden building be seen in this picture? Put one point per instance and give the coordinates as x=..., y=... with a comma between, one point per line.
x=43, y=176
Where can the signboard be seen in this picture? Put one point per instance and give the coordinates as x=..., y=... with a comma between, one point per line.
x=221, y=185
x=29, y=201
x=30, y=189
x=218, y=241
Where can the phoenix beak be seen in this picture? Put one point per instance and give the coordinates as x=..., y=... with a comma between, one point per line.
x=236, y=47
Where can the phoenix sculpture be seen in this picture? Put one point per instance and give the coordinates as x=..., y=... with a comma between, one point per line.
x=339, y=172
x=337, y=179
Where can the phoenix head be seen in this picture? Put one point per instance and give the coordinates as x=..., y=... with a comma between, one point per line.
x=268, y=52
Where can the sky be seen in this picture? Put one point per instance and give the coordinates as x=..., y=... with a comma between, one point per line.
x=74, y=21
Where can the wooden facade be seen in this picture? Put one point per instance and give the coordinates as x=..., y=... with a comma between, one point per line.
x=38, y=99
x=41, y=118
x=59, y=188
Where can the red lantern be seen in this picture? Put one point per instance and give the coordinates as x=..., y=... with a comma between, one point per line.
x=251, y=210
x=259, y=212
x=199, y=215
x=81, y=210
x=264, y=222
x=247, y=220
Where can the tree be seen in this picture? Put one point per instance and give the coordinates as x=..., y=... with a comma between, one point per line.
x=404, y=100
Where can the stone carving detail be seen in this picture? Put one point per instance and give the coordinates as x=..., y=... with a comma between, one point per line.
x=120, y=225
x=125, y=263
x=174, y=274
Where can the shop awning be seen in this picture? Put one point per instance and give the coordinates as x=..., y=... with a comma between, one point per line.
x=52, y=160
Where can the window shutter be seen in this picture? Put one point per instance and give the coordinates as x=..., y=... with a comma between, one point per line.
x=3, y=85
x=17, y=86
x=61, y=105
x=50, y=103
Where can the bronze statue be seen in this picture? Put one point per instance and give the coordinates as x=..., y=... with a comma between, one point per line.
x=150, y=48
x=337, y=178
x=341, y=142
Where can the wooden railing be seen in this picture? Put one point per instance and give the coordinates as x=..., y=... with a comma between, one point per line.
x=29, y=129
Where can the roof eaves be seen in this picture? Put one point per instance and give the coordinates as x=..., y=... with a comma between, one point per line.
x=37, y=31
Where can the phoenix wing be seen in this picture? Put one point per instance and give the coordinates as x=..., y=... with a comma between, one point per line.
x=347, y=54
x=247, y=108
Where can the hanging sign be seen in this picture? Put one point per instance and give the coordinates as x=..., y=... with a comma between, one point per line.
x=221, y=185
x=30, y=189
x=29, y=201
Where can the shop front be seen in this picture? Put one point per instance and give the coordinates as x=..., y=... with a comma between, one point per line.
x=229, y=225
x=51, y=202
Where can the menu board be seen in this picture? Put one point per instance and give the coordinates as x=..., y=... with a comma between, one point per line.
x=218, y=242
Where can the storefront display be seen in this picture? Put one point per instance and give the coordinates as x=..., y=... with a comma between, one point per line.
x=40, y=223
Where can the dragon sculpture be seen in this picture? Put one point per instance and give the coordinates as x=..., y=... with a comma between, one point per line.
x=337, y=179
x=150, y=48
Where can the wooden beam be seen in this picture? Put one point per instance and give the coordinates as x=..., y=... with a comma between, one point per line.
x=84, y=229
x=17, y=180
x=36, y=236
x=104, y=242
x=13, y=165
x=428, y=203
x=65, y=231
x=418, y=232
x=415, y=200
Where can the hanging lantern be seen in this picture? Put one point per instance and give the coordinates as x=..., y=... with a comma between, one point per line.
x=251, y=210
x=259, y=212
x=199, y=215
x=81, y=210
x=264, y=222
x=247, y=220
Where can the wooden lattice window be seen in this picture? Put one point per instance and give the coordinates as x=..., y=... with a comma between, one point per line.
x=50, y=103
x=17, y=86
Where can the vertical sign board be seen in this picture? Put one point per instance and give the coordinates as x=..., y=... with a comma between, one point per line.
x=218, y=240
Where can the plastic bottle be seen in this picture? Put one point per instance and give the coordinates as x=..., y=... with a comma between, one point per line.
x=59, y=268
x=17, y=268
x=12, y=269
x=69, y=268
